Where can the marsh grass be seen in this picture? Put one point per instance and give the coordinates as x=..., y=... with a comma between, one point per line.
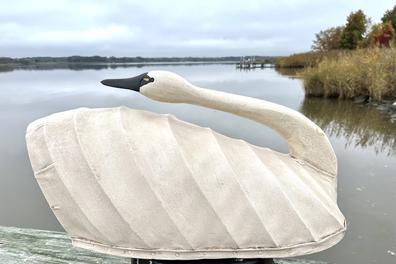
x=307, y=59
x=369, y=72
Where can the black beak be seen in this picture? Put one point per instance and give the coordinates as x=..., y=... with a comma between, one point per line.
x=133, y=83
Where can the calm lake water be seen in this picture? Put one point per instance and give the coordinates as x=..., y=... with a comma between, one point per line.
x=364, y=140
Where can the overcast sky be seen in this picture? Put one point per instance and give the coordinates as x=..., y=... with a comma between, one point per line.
x=170, y=27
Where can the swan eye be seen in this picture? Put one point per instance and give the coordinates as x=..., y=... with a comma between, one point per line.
x=147, y=79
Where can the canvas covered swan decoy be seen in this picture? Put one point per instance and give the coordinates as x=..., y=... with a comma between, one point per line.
x=144, y=185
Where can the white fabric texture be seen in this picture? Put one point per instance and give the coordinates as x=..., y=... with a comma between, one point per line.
x=138, y=184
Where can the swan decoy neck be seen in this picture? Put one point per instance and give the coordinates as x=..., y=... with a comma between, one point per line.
x=133, y=83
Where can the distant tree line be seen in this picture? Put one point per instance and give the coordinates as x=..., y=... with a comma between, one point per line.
x=100, y=59
x=358, y=32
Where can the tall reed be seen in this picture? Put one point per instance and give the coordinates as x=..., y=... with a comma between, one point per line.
x=368, y=72
x=306, y=59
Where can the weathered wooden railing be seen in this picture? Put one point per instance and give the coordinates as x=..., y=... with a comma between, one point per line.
x=31, y=246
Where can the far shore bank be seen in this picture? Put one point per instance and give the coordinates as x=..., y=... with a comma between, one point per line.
x=116, y=63
x=7, y=67
x=126, y=60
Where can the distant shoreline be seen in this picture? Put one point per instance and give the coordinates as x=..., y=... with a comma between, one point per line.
x=98, y=60
x=77, y=66
x=8, y=67
x=119, y=63
x=110, y=64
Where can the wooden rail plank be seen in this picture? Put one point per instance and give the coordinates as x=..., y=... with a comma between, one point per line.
x=19, y=245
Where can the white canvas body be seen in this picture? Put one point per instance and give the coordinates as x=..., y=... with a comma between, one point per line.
x=139, y=184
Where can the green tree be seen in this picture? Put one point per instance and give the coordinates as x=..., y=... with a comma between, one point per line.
x=390, y=15
x=355, y=29
x=329, y=39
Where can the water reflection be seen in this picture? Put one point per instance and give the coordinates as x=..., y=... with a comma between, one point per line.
x=360, y=125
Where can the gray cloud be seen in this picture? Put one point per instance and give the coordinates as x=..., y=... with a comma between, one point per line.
x=170, y=28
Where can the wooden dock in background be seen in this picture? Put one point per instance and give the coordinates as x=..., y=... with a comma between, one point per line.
x=252, y=63
x=18, y=245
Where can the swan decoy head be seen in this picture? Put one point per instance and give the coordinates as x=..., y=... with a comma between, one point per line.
x=158, y=85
